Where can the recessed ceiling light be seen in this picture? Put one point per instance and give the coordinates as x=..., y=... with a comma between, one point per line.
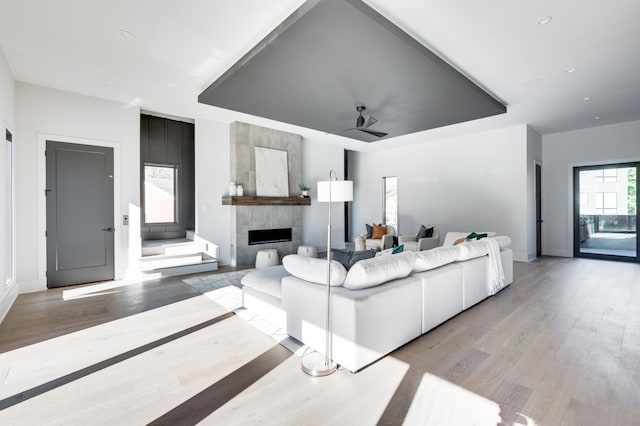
x=597, y=117
x=125, y=34
x=571, y=70
x=171, y=85
x=586, y=98
x=109, y=81
x=545, y=20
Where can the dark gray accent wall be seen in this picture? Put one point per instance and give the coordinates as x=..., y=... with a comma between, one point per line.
x=169, y=142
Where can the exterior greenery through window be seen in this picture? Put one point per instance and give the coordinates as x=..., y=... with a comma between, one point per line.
x=390, y=206
x=160, y=195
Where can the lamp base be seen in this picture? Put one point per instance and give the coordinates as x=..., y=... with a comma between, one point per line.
x=314, y=364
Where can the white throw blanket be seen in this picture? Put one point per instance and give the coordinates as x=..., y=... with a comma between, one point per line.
x=496, y=271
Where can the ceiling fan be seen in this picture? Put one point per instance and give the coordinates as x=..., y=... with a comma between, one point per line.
x=363, y=123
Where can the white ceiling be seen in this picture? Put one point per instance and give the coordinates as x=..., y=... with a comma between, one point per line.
x=177, y=49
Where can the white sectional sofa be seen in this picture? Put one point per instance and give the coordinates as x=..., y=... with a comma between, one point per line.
x=370, y=322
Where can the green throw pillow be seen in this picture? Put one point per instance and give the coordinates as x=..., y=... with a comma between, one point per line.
x=474, y=236
x=398, y=249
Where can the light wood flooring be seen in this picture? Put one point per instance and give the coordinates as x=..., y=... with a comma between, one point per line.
x=561, y=345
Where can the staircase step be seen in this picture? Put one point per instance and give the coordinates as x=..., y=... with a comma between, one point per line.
x=205, y=265
x=158, y=261
x=174, y=246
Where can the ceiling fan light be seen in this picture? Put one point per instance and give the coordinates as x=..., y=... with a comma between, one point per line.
x=360, y=121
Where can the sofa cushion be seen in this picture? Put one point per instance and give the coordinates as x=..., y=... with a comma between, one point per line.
x=453, y=236
x=472, y=249
x=268, y=280
x=436, y=257
x=313, y=269
x=378, y=270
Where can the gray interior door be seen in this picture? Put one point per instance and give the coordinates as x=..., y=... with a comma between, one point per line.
x=80, y=226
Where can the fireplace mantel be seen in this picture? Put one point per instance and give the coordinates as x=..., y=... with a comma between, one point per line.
x=265, y=201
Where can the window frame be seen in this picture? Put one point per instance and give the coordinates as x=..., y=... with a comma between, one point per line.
x=176, y=194
x=385, y=218
x=9, y=274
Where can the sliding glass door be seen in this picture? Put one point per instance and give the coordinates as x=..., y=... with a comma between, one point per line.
x=606, y=211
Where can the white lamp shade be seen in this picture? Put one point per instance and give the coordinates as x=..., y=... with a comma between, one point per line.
x=341, y=190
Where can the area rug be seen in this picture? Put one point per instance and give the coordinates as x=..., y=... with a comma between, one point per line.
x=226, y=290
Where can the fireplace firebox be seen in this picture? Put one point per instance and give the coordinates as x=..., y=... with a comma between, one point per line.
x=266, y=236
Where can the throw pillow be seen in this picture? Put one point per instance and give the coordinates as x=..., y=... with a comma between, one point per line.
x=357, y=256
x=313, y=269
x=398, y=249
x=424, y=232
x=375, y=271
x=369, y=230
x=342, y=256
x=378, y=232
x=475, y=236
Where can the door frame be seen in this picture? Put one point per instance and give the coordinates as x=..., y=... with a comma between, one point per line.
x=575, y=210
x=40, y=283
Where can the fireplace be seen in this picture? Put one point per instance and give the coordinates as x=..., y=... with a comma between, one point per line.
x=266, y=236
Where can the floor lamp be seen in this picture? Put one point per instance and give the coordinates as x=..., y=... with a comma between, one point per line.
x=331, y=191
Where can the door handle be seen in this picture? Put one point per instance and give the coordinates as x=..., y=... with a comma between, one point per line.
x=109, y=229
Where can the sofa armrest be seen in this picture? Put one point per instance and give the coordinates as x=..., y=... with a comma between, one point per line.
x=405, y=238
x=387, y=241
x=428, y=243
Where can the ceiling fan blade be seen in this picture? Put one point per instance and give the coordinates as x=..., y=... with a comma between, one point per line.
x=374, y=133
x=370, y=121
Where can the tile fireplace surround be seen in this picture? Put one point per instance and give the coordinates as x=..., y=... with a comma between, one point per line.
x=244, y=218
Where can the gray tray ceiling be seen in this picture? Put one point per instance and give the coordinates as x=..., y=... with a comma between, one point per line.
x=331, y=55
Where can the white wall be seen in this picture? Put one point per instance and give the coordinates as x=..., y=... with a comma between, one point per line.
x=469, y=183
x=534, y=155
x=563, y=151
x=7, y=121
x=318, y=159
x=213, y=220
x=42, y=113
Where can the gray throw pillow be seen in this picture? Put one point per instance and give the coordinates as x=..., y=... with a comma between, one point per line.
x=424, y=232
x=342, y=256
x=357, y=256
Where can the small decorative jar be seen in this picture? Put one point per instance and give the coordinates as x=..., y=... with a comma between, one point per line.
x=232, y=189
x=240, y=191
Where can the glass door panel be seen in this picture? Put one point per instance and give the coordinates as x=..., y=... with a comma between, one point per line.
x=606, y=211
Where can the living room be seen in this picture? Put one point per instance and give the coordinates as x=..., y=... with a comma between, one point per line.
x=478, y=175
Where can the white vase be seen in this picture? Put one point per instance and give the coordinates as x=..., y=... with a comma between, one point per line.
x=240, y=191
x=232, y=189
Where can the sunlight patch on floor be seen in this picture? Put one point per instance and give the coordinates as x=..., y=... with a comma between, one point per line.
x=439, y=402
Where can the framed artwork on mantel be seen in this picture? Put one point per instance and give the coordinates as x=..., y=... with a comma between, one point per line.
x=272, y=173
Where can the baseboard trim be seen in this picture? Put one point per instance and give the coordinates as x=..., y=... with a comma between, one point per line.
x=7, y=302
x=558, y=253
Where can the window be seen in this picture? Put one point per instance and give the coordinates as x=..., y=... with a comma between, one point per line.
x=8, y=274
x=606, y=203
x=160, y=194
x=584, y=198
x=390, y=206
x=606, y=175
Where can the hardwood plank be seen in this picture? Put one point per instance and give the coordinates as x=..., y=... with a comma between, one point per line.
x=560, y=345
